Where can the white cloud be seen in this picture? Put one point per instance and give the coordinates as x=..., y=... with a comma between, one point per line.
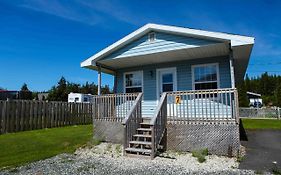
x=88, y=12
x=69, y=10
x=114, y=10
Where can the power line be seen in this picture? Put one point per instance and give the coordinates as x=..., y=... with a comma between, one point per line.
x=266, y=71
x=263, y=64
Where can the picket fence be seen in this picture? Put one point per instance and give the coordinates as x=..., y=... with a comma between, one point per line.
x=23, y=115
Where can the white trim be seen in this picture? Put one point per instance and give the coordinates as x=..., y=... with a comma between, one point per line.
x=235, y=40
x=124, y=80
x=231, y=67
x=252, y=93
x=201, y=65
x=175, y=81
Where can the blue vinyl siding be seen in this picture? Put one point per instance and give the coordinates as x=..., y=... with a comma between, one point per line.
x=184, y=75
x=163, y=42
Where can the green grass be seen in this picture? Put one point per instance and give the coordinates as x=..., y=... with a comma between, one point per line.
x=261, y=124
x=23, y=147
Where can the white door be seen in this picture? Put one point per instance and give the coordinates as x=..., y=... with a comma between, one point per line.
x=166, y=80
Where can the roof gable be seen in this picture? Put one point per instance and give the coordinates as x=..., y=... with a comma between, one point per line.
x=235, y=40
x=241, y=47
x=163, y=42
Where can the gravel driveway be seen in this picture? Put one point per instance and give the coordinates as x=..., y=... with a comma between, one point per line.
x=107, y=159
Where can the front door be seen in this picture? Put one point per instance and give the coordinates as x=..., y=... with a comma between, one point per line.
x=166, y=80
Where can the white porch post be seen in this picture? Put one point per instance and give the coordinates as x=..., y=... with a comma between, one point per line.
x=99, y=80
x=231, y=69
x=115, y=84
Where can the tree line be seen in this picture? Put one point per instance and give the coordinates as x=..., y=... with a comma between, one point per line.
x=269, y=86
x=60, y=91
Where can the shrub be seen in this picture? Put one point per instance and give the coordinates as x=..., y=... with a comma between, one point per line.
x=200, y=154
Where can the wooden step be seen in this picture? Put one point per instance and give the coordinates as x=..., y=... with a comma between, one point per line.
x=140, y=142
x=146, y=119
x=144, y=129
x=138, y=150
x=145, y=123
x=142, y=135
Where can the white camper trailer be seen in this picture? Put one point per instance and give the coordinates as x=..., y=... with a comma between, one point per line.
x=79, y=98
x=255, y=99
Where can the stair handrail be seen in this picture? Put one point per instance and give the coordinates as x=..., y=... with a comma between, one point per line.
x=158, y=124
x=132, y=120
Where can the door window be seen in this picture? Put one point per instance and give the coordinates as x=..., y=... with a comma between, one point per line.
x=167, y=82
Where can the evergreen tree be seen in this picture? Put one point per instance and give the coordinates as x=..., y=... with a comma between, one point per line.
x=242, y=95
x=58, y=93
x=25, y=93
x=105, y=90
x=278, y=96
x=24, y=87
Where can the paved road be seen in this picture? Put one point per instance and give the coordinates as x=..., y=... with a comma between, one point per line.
x=262, y=148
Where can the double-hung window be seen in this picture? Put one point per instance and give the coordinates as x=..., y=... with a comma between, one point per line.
x=133, y=82
x=205, y=76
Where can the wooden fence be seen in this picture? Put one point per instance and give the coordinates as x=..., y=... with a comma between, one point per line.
x=23, y=115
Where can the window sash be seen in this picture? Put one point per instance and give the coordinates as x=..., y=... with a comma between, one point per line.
x=135, y=78
x=135, y=81
x=199, y=82
x=204, y=72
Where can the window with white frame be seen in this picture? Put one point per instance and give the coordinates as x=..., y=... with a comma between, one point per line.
x=205, y=76
x=133, y=82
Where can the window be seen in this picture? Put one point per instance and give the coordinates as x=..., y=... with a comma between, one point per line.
x=167, y=82
x=151, y=37
x=133, y=82
x=205, y=76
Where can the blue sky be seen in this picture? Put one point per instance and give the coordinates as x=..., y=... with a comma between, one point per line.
x=42, y=40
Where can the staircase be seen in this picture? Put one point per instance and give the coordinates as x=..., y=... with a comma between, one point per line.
x=144, y=136
x=141, y=143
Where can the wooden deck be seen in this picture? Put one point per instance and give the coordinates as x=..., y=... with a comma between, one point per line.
x=145, y=137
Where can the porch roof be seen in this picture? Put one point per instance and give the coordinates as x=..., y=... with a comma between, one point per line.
x=223, y=42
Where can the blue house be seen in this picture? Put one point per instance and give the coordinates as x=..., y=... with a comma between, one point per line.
x=174, y=89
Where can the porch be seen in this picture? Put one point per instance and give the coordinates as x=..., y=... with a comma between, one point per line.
x=182, y=120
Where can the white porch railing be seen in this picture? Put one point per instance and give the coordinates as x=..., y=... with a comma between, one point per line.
x=203, y=105
x=113, y=107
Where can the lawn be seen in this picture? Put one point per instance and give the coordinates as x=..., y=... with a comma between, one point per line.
x=23, y=147
x=261, y=124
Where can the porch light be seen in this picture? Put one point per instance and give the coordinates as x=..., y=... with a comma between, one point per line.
x=151, y=73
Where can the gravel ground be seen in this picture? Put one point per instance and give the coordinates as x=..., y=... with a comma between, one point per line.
x=108, y=159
